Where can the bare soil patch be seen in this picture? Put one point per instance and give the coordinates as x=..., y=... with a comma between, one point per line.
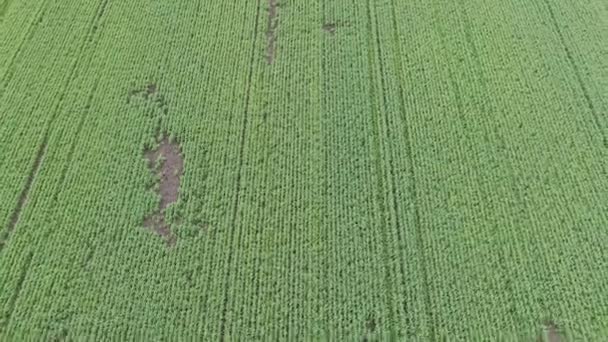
x=150, y=92
x=167, y=163
x=171, y=170
x=370, y=324
x=61, y=335
x=552, y=333
x=271, y=33
x=370, y=328
x=151, y=89
x=145, y=92
x=329, y=28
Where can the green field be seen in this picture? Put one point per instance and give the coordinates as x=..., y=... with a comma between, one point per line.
x=428, y=170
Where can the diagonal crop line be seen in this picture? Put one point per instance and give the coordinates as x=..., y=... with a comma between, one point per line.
x=24, y=196
x=13, y=300
x=71, y=151
x=16, y=215
x=31, y=29
x=4, y=5
x=577, y=73
x=89, y=101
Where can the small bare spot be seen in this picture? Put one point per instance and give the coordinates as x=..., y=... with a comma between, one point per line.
x=370, y=324
x=151, y=94
x=189, y=277
x=167, y=163
x=87, y=262
x=271, y=34
x=329, y=28
x=61, y=335
x=151, y=89
x=550, y=333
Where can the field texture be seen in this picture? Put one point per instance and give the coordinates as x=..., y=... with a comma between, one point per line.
x=292, y=170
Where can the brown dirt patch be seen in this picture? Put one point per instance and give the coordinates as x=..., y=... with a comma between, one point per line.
x=167, y=163
x=551, y=332
x=171, y=170
x=329, y=28
x=271, y=33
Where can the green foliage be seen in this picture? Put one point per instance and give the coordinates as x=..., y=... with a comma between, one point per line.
x=401, y=170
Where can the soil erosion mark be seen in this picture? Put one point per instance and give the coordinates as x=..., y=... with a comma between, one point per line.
x=167, y=163
x=271, y=34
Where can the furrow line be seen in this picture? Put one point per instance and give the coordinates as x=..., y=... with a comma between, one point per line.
x=23, y=198
x=13, y=301
x=237, y=196
x=484, y=85
x=89, y=101
x=44, y=145
x=389, y=151
x=413, y=191
x=4, y=5
x=74, y=143
x=378, y=164
x=577, y=73
x=8, y=75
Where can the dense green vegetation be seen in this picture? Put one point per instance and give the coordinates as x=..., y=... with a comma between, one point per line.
x=286, y=170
